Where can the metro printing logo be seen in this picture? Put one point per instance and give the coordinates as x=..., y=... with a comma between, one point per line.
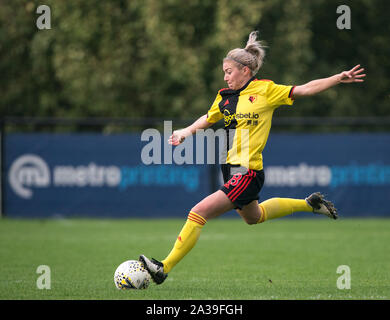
x=372, y=174
x=30, y=171
x=107, y=175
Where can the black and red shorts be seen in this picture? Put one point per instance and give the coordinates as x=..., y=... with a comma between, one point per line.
x=241, y=185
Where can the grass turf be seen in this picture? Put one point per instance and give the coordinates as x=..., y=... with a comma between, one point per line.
x=280, y=259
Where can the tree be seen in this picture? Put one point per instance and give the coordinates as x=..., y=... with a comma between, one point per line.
x=152, y=58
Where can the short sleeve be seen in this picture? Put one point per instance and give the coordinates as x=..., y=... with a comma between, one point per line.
x=279, y=94
x=214, y=114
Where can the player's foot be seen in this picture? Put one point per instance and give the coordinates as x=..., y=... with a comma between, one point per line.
x=155, y=269
x=321, y=206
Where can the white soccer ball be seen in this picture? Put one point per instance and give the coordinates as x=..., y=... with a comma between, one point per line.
x=131, y=274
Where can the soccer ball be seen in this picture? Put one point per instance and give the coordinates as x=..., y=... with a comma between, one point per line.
x=131, y=274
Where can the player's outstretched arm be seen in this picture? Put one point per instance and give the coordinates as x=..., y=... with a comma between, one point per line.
x=319, y=85
x=178, y=136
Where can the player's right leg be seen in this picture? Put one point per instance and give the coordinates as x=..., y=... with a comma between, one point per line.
x=210, y=207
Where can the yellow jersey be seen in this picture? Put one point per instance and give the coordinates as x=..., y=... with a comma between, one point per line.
x=247, y=114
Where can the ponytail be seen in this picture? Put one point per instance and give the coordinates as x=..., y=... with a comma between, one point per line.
x=251, y=56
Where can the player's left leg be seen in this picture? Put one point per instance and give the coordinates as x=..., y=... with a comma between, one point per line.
x=251, y=213
x=279, y=207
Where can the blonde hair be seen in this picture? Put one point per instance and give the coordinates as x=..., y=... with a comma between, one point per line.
x=251, y=56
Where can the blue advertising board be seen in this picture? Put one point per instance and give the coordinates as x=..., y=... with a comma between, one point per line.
x=352, y=170
x=95, y=175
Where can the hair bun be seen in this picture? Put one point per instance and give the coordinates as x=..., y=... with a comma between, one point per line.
x=251, y=56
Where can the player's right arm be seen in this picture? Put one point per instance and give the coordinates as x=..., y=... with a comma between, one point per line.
x=212, y=116
x=178, y=136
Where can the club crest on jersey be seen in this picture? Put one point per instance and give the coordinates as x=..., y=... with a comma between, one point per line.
x=252, y=99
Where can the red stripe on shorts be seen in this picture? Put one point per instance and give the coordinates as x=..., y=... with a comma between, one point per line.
x=244, y=178
x=242, y=189
x=232, y=193
x=235, y=193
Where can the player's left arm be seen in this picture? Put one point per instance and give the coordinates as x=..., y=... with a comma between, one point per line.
x=316, y=86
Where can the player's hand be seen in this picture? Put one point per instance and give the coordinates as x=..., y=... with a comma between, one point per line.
x=178, y=136
x=353, y=75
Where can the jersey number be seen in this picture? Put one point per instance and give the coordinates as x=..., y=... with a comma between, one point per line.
x=235, y=179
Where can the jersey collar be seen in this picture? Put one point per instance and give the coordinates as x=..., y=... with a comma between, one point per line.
x=229, y=92
x=246, y=84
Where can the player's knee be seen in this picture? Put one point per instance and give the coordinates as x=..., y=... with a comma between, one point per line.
x=251, y=221
x=200, y=210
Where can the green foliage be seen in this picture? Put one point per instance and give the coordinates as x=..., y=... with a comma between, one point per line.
x=137, y=58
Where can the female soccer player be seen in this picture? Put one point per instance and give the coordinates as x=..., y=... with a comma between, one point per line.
x=246, y=106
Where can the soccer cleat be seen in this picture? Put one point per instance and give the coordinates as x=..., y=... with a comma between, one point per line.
x=321, y=206
x=155, y=269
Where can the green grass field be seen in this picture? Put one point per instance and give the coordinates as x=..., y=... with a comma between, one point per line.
x=280, y=259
